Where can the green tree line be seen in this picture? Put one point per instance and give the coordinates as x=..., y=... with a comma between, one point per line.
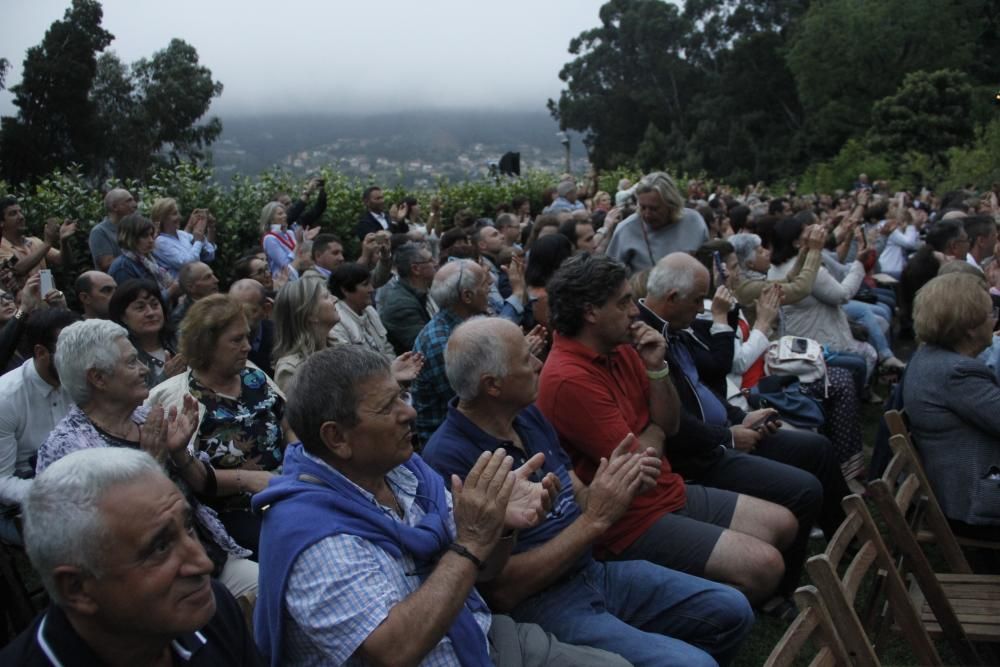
x=78, y=104
x=749, y=90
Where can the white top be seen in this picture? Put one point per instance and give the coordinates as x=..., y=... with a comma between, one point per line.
x=897, y=248
x=30, y=408
x=365, y=329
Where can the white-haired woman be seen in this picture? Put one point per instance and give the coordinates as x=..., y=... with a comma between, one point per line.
x=753, y=261
x=284, y=247
x=100, y=369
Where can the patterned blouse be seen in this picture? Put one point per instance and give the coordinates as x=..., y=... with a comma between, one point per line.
x=76, y=431
x=242, y=432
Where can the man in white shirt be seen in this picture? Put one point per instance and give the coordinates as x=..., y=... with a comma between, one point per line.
x=31, y=404
x=982, y=232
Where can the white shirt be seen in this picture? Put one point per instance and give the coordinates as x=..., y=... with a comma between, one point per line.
x=30, y=408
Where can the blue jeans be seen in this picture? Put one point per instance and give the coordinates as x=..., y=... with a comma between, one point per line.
x=865, y=314
x=853, y=363
x=886, y=296
x=647, y=614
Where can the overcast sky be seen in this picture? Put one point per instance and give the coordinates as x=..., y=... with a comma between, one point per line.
x=283, y=55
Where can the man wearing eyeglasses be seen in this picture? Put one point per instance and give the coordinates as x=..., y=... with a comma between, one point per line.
x=365, y=556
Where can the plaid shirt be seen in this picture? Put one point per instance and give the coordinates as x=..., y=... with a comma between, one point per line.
x=343, y=587
x=431, y=390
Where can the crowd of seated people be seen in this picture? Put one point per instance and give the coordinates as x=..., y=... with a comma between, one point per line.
x=576, y=438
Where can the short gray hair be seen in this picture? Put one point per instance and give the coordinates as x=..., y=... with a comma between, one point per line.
x=114, y=196
x=472, y=353
x=661, y=183
x=62, y=521
x=666, y=276
x=82, y=346
x=745, y=246
x=445, y=289
x=406, y=256
x=326, y=390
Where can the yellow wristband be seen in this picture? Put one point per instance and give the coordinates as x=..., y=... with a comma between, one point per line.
x=660, y=374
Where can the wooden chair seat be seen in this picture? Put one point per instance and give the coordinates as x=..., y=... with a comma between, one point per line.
x=975, y=600
x=958, y=605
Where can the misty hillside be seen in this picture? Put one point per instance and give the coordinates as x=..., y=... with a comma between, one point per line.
x=384, y=144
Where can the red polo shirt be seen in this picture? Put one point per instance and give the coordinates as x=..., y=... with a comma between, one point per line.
x=594, y=401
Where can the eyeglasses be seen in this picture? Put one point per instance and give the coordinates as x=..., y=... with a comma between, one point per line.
x=6, y=298
x=461, y=274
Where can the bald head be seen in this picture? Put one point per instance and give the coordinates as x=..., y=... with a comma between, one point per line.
x=119, y=203
x=677, y=272
x=252, y=295
x=676, y=289
x=478, y=348
x=94, y=290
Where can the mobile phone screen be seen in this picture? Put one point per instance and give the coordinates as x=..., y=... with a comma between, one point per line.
x=46, y=281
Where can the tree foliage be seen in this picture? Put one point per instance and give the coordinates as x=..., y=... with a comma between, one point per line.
x=56, y=122
x=150, y=110
x=78, y=108
x=929, y=112
x=629, y=73
x=753, y=90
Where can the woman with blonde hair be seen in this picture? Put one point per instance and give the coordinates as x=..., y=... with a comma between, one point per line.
x=951, y=400
x=175, y=247
x=285, y=247
x=304, y=313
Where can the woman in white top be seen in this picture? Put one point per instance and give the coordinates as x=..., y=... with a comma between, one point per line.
x=359, y=321
x=904, y=240
x=175, y=247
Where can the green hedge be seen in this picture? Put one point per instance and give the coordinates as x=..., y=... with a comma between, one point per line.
x=237, y=206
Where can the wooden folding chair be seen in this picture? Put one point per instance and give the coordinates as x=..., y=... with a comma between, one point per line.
x=898, y=425
x=839, y=593
x=961, y=606
x=812, y=628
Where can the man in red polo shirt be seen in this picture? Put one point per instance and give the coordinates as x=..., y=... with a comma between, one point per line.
x=605, y=378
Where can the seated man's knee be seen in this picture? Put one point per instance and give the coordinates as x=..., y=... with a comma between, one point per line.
x=785, y=526
x=766, y=568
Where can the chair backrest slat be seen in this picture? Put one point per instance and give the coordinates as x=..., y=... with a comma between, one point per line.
x=812, y=626
x=916, y=485
x=838, y=594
